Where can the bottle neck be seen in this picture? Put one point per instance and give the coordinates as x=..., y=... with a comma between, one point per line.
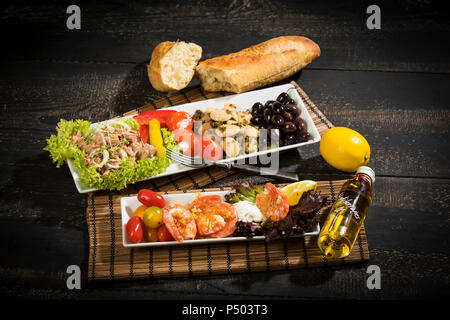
x=363, y=177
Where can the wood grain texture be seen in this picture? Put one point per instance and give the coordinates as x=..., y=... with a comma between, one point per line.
x=404, y=116
x=411, y=38
x=406, y=229
x=99, y=72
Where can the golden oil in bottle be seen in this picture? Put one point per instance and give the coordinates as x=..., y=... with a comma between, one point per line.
x=346, y=217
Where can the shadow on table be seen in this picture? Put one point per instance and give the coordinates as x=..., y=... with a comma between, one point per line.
x=135, y=91
x=49, y=213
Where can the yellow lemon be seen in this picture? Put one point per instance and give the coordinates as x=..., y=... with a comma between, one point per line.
x=294, y=191
x=344, y=149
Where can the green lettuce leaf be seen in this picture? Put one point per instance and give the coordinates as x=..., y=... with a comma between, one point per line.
x=61, y=148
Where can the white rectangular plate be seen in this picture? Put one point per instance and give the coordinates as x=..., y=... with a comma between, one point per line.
x=129, y=204
x=243, y=102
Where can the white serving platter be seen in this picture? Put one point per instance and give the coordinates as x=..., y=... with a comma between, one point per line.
x=243, y=102
x=129, y=204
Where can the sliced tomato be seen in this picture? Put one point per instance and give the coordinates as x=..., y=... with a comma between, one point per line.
x=180, y=120
x=208, y=149
x=274, y=204
x=185, y=139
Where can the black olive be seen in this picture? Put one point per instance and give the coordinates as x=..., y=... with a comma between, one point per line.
x=290, y=101
x=283, y=97
x=301, y=125
x=288, y=116
x=288, y=127
x=269, y=104
x=293, y=110
x=268, y=115
x=302, y=136
x=258, y=119
x=277, y=120
x=277, y=107
x=290, y=138
x=257, y=108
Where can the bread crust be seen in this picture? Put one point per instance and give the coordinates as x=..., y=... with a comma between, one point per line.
x=155, y=68
x=257, y=66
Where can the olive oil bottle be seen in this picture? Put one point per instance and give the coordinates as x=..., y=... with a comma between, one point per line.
x=346, y=217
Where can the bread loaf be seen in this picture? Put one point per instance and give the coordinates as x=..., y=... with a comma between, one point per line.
x=258, y=65
x=172, y=65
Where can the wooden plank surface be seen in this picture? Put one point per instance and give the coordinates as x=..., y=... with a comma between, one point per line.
x=411, y=38
x=389, y=84
x=404, y=116
x=406, y=229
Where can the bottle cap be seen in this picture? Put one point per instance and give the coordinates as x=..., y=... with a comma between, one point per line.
x=368, y=171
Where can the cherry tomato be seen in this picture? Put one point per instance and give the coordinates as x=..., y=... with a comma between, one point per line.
x=140, y=211
x=150, y=198
x=135, y=229
x=185, y=139
x=153, y=217
x=207, y=148
x=151, y=235
x=164, y=234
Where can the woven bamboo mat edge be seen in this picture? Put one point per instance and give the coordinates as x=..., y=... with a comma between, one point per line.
x=199, y=178
x=109, y=260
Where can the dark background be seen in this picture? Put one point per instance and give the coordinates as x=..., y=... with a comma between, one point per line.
x=392, y=85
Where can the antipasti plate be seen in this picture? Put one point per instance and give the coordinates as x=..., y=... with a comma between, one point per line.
x=243, y=102
x=129, y=204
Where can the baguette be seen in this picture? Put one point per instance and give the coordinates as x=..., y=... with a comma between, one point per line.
x=172, y=65
x=257, y=66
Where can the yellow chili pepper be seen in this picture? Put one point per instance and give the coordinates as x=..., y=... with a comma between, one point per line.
x=155, y=137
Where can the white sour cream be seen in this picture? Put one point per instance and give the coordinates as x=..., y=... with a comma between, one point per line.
x=248, y=211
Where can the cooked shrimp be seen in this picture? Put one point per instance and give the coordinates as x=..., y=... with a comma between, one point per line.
x=214, y=218
x=274, y=204
x=180, y=222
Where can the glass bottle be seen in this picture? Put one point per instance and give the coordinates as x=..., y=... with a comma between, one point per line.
x=346, y=217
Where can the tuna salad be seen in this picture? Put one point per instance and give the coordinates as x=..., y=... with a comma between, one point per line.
x=109, y=146
x=109, y=155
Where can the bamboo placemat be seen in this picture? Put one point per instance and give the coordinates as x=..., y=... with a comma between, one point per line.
x=109, y=260
x=199, y=178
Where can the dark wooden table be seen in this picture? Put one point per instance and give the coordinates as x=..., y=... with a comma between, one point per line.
x=392, y=85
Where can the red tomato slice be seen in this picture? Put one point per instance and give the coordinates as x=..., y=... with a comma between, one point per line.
x=151, y=199
x=180, y=120
x=208, y=149
x=274, y=204
x=185, y=139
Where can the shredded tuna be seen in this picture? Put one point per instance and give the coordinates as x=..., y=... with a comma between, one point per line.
x=119, y=143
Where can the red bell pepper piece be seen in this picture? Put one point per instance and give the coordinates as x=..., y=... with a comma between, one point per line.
x=144, y=118
x=143, y=132
x=170, y=119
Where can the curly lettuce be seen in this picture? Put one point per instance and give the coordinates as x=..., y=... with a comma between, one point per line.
x=169, y=140
x=61, y=148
